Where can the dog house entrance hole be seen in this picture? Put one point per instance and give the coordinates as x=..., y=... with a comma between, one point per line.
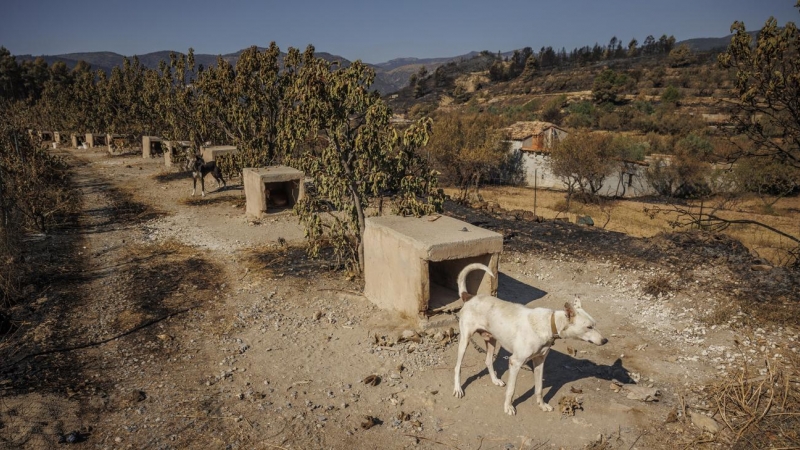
x=443, y=282
x=279, y=195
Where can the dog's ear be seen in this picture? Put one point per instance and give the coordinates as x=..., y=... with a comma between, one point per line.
x=577, y=302
x=570, y=311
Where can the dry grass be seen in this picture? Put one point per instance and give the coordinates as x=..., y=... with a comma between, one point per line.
x=628, y=216
x=658, y=285
x=760, y=411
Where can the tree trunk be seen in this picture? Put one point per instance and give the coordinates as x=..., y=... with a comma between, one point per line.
x=361, y=226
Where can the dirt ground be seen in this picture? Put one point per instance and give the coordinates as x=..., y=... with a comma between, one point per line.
x=161, y=320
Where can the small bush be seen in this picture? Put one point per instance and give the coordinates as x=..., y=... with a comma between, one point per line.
x=671, y=95
x=35, y=194
x=658, y=285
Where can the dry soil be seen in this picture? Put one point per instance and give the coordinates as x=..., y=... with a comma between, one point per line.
x=161, y=320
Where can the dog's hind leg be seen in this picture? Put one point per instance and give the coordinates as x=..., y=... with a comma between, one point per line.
x=490, y=348
x=463, y=339
x=538, y=369
x=462, y=348
x=218, y=177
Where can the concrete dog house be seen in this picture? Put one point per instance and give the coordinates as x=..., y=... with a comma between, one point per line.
x=260, y=186
x=211, y=153
x=411, y=264
x=148, y=144
x=77, y=140
x=172, y=150
x=95, y=139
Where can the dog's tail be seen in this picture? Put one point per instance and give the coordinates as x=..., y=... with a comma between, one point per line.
x=462, y=279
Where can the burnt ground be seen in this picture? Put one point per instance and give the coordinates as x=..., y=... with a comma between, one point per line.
x=158, y=320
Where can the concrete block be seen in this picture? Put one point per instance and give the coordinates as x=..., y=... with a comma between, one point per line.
x=411, y=264
x=267, y=188
x=211, y=153
x=95, y=139
x=77, y=140
x=147, y=145
x=173, y=147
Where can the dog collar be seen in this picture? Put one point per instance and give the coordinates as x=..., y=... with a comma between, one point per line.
x=553, y=328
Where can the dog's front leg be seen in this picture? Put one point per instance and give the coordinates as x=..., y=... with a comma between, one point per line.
x=490, y=347
x=514, y=364
x=194, y=185
x=203, y=186
x=538, y=374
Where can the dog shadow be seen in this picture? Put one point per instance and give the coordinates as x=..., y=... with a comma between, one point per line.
x=166, y=177
x=559, y=369
x=515, y=291
x=229, y=187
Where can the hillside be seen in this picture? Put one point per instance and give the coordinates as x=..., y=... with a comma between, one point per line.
x=390, y=76
x=711, y=44
x=467, y=86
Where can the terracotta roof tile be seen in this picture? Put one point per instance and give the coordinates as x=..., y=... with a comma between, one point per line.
x=522, y=130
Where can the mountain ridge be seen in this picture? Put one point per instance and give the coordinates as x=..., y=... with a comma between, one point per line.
x=390, y=76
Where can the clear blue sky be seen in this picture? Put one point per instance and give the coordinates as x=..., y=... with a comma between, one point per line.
x=371, y=30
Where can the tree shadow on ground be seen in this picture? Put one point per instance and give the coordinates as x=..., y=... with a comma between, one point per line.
x=293, y=261
x=85, y=308
x=512, y=290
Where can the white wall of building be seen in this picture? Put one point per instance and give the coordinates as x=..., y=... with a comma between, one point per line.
x=538, y=173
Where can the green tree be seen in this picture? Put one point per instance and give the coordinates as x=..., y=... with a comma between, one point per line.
x=498, y=71
x=56, y=103
x=608, y=86
x=582, y=161
x=551, y=111
x=85, y=99
x=531, y=68
x=767, y=111
x=440, y=78
x=681, y=56
x=770, y=180
x=767, y=84
x=120, y=99
x=671, y=95
x=582, y=114
x=255, y=122
x=633, y=49
x=686, y=173
x=182, y=105
x=34, y=75
x=354, y=155
x=466, y=149
x=10, y=76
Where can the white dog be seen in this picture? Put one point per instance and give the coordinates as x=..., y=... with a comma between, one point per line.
x=526, y=333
